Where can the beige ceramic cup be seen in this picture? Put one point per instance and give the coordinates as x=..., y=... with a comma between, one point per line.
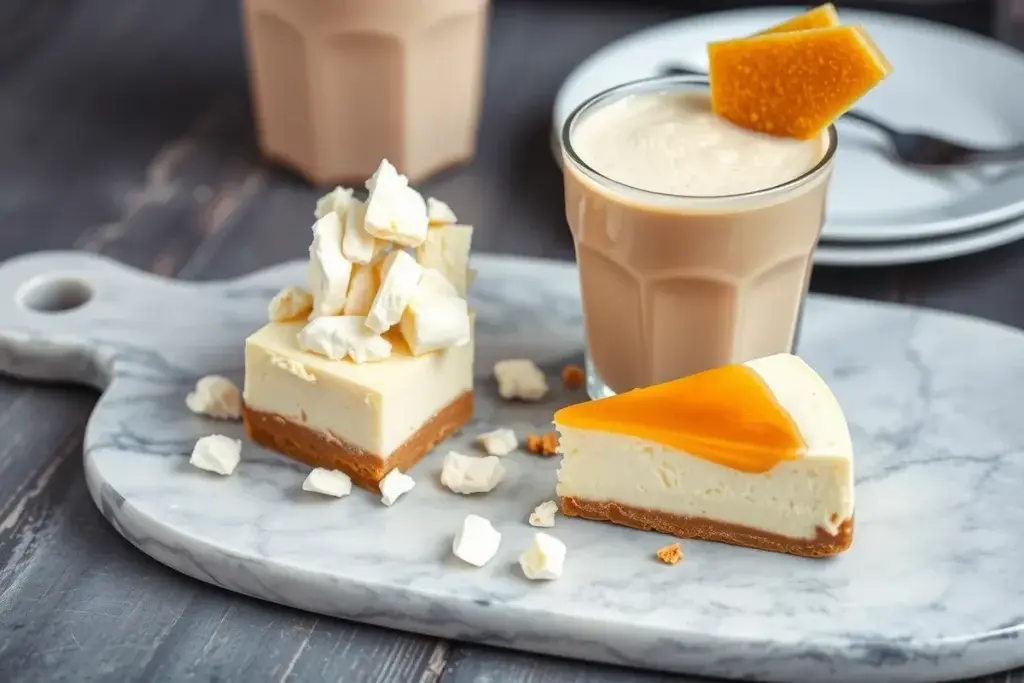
x=675, y=285
x=338, y=85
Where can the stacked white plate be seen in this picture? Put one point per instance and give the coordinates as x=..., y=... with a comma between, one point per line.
x=945, y=81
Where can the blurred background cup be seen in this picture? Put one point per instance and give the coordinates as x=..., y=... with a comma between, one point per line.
x=1008, y=22
x=675, y=285
x=339, y=85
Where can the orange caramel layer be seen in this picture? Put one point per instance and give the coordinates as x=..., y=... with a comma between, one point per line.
x=821, y=16
x=793, y=84
x=727, y=415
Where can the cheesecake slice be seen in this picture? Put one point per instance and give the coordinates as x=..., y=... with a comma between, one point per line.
x=756, y=455
x=372, y=366
x=364, y=419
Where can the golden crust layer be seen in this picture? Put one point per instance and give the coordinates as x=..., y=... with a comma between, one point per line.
x=317, y=449
x=704, y=529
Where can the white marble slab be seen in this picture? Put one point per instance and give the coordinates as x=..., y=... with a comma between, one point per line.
x=931, y=590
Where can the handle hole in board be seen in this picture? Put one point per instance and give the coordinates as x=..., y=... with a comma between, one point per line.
x=46, y=294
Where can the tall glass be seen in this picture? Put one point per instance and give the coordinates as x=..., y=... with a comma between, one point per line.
x=673, y=285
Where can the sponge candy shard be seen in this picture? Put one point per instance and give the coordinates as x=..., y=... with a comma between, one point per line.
x=821, y=16
x=793, y=84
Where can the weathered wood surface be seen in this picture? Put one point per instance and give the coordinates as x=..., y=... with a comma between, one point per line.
x=125, y=130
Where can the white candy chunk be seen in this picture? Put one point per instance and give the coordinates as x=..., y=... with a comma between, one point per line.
x=216, y=453
x=293, y=367
x=466, y=474
x=435, y=318
x=389, y=174
x=394, y=211
x=400, y=276
x=498, y=442
x=544, y=559
x=328, y=482
x=362, y=288
x=447, y=249
x=357, y=245
x=433, y=282
x=477, y=541
x=409, y=223
x=394, y=485
x=216, y=397
x=291, y=303
x=544, y=514
x=432, y=323
x=347, y=335
x=329, y=271
x=336, y=200
x=520, y=378
x=439, y=213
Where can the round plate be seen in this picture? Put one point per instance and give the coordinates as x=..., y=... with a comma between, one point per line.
x=944, y=80
x=881, y=254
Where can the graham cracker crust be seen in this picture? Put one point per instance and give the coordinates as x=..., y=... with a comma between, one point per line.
x=704, y=529
x=318, y=449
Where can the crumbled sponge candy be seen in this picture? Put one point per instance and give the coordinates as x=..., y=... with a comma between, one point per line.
x=821, y=16
x=793, y=84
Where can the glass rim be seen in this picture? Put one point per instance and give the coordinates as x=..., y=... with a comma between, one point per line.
x=640, y=85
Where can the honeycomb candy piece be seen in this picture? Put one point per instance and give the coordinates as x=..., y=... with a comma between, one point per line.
x=793, y=84
x=822, y=16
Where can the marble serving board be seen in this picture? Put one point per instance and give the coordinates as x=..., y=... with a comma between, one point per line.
x=931, y=589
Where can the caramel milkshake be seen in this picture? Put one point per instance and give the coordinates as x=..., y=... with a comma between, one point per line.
x=693, y=237
x=340, y=84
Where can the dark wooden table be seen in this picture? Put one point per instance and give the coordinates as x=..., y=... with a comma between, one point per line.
x=125, y=130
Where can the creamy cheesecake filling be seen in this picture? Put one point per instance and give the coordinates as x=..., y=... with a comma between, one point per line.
x=793, y=499
x=375, y=407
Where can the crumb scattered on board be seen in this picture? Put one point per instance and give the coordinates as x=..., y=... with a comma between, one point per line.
x=670, y=554
x=542, y=444
x=573, y=376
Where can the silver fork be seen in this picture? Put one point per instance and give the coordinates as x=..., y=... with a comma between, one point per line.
x=913, y=148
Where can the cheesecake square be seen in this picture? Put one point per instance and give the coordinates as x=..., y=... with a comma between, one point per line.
x=364, y=419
